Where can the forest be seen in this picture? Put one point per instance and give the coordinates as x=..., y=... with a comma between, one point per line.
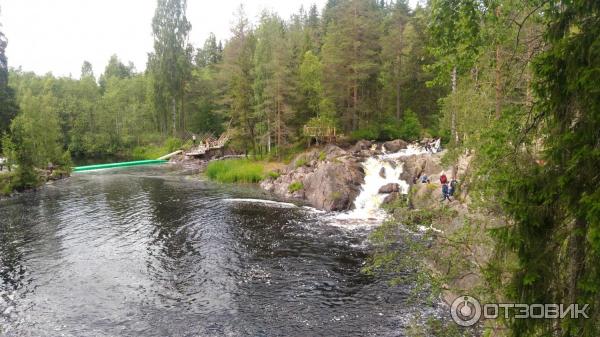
x=514, y=82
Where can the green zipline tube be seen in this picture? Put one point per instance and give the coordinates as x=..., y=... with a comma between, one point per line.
x=114, y=165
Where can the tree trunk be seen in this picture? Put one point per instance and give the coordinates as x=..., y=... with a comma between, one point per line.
x=453, y=121
x=279, y=138
x=577, y=258
x=498, y=84
x=174, y=116
x=182, y=112
x=398, y=110
x=498, y=75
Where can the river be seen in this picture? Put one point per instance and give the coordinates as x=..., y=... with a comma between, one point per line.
x=150, y=251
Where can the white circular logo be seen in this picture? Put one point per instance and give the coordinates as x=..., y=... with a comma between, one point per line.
x=466, y=311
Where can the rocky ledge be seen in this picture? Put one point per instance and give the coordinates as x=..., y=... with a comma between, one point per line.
x=330, y=178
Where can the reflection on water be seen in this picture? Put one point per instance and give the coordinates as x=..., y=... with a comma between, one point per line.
x=149, y=252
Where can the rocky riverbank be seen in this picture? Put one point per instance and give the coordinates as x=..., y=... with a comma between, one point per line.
x=330, y=178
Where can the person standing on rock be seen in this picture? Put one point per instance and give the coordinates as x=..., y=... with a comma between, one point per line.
x=443, y=178
x=445, y=192
x=453, y=185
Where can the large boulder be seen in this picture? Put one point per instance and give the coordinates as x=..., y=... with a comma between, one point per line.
x=418, y=165
x=328, y=178
x=333, y=186
x=389, y=188
x=395, y=145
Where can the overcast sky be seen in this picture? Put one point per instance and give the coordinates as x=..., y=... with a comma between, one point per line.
x=58, y=35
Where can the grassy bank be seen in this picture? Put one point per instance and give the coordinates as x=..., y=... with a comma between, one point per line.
x=155, y=151
x=236, y=171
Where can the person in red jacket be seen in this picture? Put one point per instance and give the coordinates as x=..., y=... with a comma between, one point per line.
x=443, y=178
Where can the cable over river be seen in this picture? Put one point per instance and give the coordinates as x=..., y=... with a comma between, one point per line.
x=148, y=251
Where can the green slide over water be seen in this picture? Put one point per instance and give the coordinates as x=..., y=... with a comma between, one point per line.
x=114, y=165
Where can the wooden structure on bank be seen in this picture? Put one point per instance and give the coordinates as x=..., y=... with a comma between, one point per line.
x=208, y=143
x=320, y=133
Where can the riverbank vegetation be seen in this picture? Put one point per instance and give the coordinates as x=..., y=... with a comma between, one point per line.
x=236, y=171
x=523, y=103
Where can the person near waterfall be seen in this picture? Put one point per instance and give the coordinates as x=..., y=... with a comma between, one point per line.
x=453, y=185
x=443, y=178
x=445, y=193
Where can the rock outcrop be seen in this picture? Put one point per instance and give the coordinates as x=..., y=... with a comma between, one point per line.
x=395, y=145
x=328, y=178
x=389, y=188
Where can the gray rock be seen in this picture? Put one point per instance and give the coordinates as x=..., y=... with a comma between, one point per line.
x=395, y=145
x=389, y=188
x=382, y=172
x=330, y=183
x=391, y=198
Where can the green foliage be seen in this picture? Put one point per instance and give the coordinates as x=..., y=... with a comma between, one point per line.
x=170, y=63
x=300, y=161
x=273, y=174
x=6, y=183
x=295, y=186
x=408, y=129
x=235, y=171
x=322, y=156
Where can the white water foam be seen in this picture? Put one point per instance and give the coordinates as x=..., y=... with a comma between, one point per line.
x=263, y=201
x=367, y=210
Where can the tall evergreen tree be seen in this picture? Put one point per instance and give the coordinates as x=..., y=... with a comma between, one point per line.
x=8, y=108
x=237, y=73
x=170, y=63
x=351, y=59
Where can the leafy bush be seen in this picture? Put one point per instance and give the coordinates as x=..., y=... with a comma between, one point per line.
x=371, y=133
x=274, y=174
x=5, y=183
x=295, y=186
x=322, y=156
x=172, y=144
x=410, y=128
x=301, y=161
x=235, y=171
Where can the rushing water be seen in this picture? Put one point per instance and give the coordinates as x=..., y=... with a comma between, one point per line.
x=151, y=252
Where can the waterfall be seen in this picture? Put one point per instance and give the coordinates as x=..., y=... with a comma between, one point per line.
x=367, y=204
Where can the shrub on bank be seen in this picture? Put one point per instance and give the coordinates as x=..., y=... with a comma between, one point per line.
x=235, y=171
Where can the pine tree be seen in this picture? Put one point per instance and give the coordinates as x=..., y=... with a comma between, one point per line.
x=8, y=108
x=350, y=59
x=170, y=63
x=237, y=73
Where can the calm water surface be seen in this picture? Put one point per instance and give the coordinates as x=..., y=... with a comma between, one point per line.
x=151, y=252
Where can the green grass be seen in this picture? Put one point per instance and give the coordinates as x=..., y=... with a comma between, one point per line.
x=154, y=151
x=5, y=183
x=295, y=186
x=301, y=161
x=236, y=171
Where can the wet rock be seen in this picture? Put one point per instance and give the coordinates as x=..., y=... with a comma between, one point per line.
x=395, y=145
x=391, y=198
x=389, y=188
x=362, y=145
x=382, y=172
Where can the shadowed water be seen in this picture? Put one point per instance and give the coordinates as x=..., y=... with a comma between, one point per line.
x=151, y=252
